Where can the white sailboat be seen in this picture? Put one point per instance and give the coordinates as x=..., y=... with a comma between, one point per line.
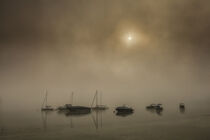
x=45, y=106
x=98, y=106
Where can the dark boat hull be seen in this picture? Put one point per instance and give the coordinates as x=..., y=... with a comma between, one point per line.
x=79, y=108
x=124, y=110
x=182, y=106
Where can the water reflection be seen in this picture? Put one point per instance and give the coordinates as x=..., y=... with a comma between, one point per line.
x=44, y=116
x=123, y=114
x=155, y=111
x=182, y=110
x=74, y=113
x=97, y=117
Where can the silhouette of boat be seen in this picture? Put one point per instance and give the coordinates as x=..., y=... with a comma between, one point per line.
x=78, y=108
x=98, y=107
x=155, y=106
x=78, y=111
x=75, y=110
x=152, y=106
x=159, y=107
x=45, y=106
x=124, y=109
x=181, y=105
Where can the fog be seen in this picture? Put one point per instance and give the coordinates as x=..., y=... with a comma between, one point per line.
x=79, y=46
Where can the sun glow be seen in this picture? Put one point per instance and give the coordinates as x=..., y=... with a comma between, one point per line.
x=130, y=38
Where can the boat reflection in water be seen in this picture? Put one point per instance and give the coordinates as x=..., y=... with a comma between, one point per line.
x=44, y=116
x=75, y=112
x=97, y=117
x=123, y=114
x=182, y=110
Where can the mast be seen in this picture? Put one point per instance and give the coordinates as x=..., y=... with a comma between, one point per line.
x=46, y=98
x=101, y=99
x=72, y=95
x=96, y=98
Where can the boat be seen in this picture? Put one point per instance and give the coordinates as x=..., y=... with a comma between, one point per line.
x=98, y=107
x=75, y=110
x=181, y=106
x=124, y=109
x=159, y=107
x=79, y=109
x=154, y=106
x=45, y=106
x=151, y=106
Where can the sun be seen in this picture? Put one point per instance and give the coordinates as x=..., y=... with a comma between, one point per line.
x=129, y=38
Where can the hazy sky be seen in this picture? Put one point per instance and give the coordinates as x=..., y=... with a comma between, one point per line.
x=82, y=45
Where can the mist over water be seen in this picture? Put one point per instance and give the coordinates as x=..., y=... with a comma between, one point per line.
x=82, y=46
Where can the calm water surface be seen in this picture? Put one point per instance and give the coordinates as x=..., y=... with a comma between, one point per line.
x=171, y=124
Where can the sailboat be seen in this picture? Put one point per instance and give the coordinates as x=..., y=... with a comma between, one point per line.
x=45, y=106
x=98, y=106
x=77, y=110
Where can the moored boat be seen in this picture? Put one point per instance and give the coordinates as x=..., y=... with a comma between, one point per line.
x=98, y=106
x=124, y=109
x=45, y=106
x=159, y=107
x=182, y=105
x=79, y=108
x=152, y=106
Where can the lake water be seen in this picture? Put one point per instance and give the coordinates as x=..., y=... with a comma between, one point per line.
x=171, y=124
